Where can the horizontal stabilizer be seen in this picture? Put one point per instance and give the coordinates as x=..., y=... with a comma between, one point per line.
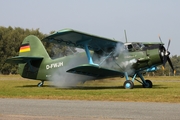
x=95, y=71
x=21, y=59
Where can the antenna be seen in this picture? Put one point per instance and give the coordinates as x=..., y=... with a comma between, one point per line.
x=125, y=35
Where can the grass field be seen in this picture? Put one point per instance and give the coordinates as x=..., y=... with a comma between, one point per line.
x=165, y=89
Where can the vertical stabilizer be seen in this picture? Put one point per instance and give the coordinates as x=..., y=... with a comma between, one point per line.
x=32, y=47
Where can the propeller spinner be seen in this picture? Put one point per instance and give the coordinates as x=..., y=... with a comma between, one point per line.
x=165, y=54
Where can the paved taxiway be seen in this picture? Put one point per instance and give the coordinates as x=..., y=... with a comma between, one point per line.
x=30, y=109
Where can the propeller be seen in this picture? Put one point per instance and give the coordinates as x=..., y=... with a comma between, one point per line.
x=165, y=54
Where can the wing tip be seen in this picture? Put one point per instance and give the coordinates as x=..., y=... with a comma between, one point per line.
x=65, y=30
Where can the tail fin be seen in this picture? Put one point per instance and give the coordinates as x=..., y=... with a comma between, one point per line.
x=32, y=47
x=31, y=54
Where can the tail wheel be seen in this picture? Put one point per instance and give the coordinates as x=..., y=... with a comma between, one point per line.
x=40, y=84
x=128, y=84
x=147, y=84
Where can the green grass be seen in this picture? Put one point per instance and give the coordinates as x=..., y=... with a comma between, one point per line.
x=165, y=89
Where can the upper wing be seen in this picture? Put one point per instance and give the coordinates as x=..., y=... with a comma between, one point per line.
x=77, y=39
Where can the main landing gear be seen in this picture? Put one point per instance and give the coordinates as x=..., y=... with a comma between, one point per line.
x=129, y=84
x=40, y=84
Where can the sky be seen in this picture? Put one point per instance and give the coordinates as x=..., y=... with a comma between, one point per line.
x=143, y=20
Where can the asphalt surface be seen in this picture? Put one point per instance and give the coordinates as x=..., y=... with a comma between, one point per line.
x=38, y=109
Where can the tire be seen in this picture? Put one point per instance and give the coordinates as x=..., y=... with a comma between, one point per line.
x=128, y=84
x=148, y=84
x=40, y=84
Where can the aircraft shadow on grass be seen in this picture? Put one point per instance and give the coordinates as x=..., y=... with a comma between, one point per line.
x=109, y=87
x=91, y=87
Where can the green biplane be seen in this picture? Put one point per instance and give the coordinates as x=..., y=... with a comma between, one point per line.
x=104, y=57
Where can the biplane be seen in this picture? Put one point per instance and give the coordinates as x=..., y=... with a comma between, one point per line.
x=104, y=57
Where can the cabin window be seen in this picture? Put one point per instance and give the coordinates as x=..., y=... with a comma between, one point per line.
x=129, y=47
x=136, y=46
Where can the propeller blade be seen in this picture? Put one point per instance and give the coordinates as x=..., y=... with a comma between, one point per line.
x=170, y=63
x=165, y=60
x=168, y=44
x=160, y=39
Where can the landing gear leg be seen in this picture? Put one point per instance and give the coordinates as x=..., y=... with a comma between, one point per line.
x=40, y=84
x=128, y=84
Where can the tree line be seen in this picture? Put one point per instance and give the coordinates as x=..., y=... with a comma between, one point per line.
x=11, y=39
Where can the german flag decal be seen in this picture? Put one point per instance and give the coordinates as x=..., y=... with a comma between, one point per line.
x=25, y=48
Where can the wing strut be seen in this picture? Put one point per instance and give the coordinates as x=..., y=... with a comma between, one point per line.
x=85, y=43
x=88, y=54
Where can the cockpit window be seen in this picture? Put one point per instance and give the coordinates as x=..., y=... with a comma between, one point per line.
x=141, y=45
x=134, y=46
x=129, y=47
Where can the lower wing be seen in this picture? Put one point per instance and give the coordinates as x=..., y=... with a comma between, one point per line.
x=95, y=71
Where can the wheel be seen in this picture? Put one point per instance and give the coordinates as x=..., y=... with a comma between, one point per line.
x=128, y=84
x=40, y=84
x=147, y=84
